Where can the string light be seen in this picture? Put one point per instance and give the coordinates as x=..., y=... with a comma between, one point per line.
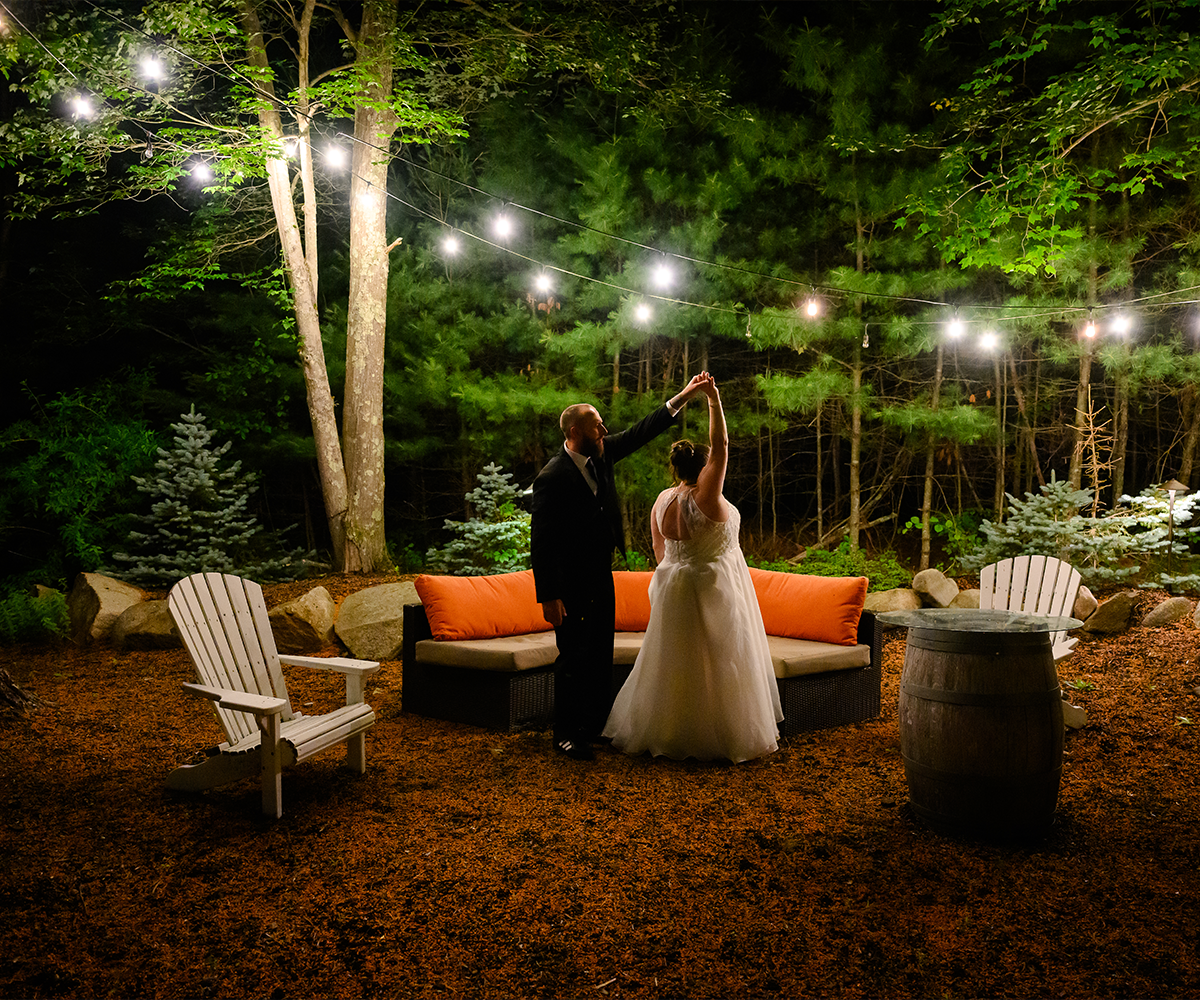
x=663, y=276
x=152, y=67
x=1089, y=330
x=450, y=244
x=642, y=313
x=812, y=305
x=989, y=341
x=543, y=282
x=503, y=226
x=335, y=156
x=202, y=171
x=954, y=329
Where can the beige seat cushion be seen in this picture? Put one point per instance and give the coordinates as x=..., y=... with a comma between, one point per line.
x=790, y=657
x=794, y=657
x=509, y=653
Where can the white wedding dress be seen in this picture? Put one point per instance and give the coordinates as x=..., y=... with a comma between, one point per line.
x=703, y=685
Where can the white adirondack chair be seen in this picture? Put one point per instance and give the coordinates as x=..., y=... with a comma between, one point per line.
x=1039, y=585
x=224, y=625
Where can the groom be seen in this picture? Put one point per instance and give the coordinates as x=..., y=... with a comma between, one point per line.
x=576, y=526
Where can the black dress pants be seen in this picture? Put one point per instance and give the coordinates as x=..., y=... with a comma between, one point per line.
x=583, y=694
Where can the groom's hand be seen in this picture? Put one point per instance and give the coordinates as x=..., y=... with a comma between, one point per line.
x=553, y=612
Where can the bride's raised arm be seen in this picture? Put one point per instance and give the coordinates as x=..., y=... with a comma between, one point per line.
x=711, y=480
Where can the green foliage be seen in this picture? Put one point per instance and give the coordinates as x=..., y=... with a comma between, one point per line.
x=495, y=539
x=25, y=618
x=66, y=494
x=1118, y=546
x=883, y=571
x=959, y=534
x=198, y=520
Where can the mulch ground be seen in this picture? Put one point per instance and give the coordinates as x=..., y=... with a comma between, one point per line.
x=472, y=863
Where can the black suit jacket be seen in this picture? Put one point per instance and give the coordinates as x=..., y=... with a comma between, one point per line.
x=574, y=531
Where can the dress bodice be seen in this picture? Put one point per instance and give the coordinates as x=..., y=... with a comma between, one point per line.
x=709, y=539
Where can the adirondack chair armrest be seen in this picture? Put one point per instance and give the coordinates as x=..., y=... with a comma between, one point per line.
x=340, y=664
x=356, y=672
x=239, y=701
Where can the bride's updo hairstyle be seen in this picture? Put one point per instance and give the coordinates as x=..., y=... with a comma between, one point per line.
x=687, y=460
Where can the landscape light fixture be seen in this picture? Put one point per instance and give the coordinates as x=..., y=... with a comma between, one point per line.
x=1173, y=487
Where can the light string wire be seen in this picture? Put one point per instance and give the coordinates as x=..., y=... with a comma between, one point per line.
x=231, y=74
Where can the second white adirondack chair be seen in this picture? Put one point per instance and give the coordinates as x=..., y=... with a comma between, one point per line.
x=224, y=625
x=1039, y=585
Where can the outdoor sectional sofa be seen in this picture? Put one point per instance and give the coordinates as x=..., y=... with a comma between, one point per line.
x=477, y=650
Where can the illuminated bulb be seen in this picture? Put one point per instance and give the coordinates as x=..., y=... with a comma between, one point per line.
x=290, y=147
x=1120, y=324
x=335, y=156
x=989, y=341
x=1089, y=330
x=642, y=313
x=82, y=106
x=450, y=244
x=503, y=227
x=663, y=275
x=151, y=68
x=954, y=329
x=202, y=172
x=812, y=307
x=543, y=282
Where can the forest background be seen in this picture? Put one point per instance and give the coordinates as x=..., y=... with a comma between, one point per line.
x=933, y=253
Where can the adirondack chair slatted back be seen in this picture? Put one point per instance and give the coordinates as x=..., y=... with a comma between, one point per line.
x=224, y=625
x=1039, y=585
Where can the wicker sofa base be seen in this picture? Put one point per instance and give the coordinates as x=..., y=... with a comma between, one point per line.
x=510, y=701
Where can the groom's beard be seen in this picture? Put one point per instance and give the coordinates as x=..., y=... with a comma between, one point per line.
x=591, y=449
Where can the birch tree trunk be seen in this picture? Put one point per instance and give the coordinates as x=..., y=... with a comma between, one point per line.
x=374, y=126
x=930, y=458
x=299, y=257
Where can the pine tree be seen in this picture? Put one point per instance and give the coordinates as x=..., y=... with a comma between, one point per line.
x=199, y=521
x=495, y=540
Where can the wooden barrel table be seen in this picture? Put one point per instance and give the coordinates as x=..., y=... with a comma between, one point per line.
x=981, y=722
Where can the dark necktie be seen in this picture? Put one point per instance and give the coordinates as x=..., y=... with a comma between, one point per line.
x=594, y=472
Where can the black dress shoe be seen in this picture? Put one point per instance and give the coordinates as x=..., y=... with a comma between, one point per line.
x=575, y=749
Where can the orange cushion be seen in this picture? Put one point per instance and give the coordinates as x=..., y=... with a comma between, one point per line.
x=818, y=608
x=481, y=607
x=633, y=601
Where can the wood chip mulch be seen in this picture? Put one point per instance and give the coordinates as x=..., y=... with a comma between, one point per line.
x=476, y=864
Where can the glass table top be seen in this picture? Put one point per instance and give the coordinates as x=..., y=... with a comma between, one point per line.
x=978, y=620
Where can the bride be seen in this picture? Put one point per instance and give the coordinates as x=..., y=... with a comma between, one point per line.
x=703, y=685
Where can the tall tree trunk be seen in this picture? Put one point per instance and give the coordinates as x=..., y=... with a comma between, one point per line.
x=998, y=499
x=366, y=318
x=1120, y=436
x=930, y=459
x=1192, y=435
x=300, y=261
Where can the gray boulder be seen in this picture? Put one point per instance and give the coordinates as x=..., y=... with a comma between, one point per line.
x=1171, y=610
x=966, y=599
x=900, y=599
x=95, y=602
x=304, y=625
x=371, y=622
x=1074, y=716
x=1085, y=604
x=935, y=588
x=146, y=625
x=1113, y=615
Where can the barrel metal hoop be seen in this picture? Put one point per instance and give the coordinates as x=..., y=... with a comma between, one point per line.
x=1017, y=699
x=987, y=781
